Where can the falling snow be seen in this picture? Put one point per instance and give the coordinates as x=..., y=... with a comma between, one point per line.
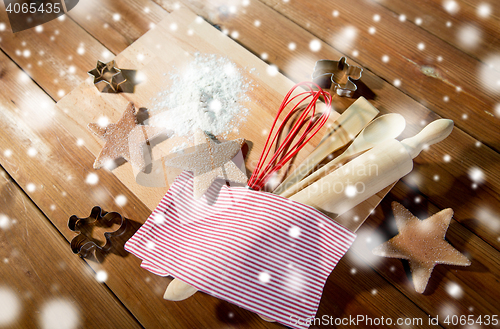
x=92, y=179
x=103, y=121
x=484, y=10
x=31, y=187
x=59, y=314
x=454, y=290
x=350, y=191
x=159, y=218
x=150, y=245
x=451, y=6
x=476, y=175
x=490, y=73
x=264, y=277
x=101, y=276
x=294, y=231
x=315, y=45
x=345, y=38
x=121, y=200
x=10, y=307
x=32, y=152
x=469, y=36
x=272, y=70
x=5, y=222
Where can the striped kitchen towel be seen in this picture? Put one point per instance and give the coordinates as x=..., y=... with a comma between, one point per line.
x=262, y=252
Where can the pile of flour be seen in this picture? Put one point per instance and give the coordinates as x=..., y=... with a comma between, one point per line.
x=208, y=94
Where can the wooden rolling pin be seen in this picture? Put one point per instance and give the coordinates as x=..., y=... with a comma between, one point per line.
x=371, y=172
x=388, y=162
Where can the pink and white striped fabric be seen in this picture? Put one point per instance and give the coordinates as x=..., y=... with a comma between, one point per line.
x=257, y=250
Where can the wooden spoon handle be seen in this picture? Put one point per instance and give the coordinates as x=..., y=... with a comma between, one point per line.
x=323, y=171
x=346, y=127
x=178, y=290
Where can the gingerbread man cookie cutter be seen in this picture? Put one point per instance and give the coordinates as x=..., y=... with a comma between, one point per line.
x=83, y=243
x=337, y=76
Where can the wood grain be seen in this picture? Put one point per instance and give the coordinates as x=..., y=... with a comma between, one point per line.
x=359, y=284
x=464, y=27
x=476, y=208
x=46, y=284
x=58, y=172
x=114, y=24
x=433, y=82
x=476, y=286
x=52, y=56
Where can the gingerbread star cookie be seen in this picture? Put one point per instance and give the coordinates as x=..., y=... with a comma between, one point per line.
x=209, y=161
x=125, y=139
x=422, y=243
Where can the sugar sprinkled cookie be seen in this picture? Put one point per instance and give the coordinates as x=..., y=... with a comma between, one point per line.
x=211, y=160
x=125, y=139
x=422, y=243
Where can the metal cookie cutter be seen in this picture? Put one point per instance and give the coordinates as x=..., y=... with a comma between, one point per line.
x=337, y=76
x=84, y=244
x=107, y=77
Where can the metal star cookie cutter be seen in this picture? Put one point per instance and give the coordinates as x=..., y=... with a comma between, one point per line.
x=337, y=76
x=107, y=77
x=84, y=244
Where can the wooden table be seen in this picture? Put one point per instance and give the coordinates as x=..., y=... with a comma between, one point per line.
x=423, y=59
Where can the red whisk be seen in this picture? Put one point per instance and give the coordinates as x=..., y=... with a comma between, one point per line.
x=288, y=148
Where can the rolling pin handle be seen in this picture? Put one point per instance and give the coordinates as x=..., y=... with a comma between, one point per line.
x=433, y=133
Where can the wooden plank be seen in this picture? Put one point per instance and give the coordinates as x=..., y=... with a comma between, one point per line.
x=85, y=105
x=43, y=284
x=117, y=24
x=421, y=73
x=58, y=57
x=56, y=179
x=461, y=26
x=493, y=6
x=446, y=180
x=452, y=290
x=354, y=289
x=139, y=290
x=361, y=298
x=58, y=173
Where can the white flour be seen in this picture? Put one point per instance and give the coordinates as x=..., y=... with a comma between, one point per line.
x=207, y=94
